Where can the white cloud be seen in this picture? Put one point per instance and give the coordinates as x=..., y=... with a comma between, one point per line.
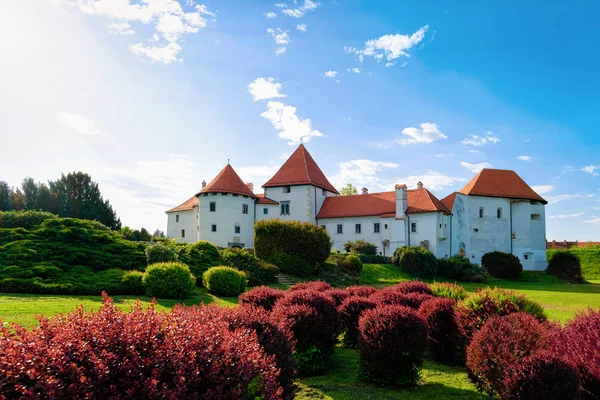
x=280, y=50
x=428, y=133
x=354, y=70
x=263, y=89
x=389, y=46
x=390, y=64
x=404, y=64
x=566, y=216
x=166, y=16
x=475, y=168
x=79, y=123
x=591, y=169
x=301, y=11
x=281, y=5
x=120, y=28
x=270, y=15
x=291, y=127
x=165, y=54
x=593, y=221
x=432, y=180
x=474, y=151
x=281, y=38
x=444, y=155
x=543, y=189
x=330, y=74
x=362, y=173
x=301, y=27
x=524, y=158
x=476, y=140
x=562, y=197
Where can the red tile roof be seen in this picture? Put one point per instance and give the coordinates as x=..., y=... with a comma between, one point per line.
x=188, y=205
x=500, y=183
x=568, y=245
x=300, y=169
x=228, y=181
x=261, y=199
x=382, y=204
x=448, y=201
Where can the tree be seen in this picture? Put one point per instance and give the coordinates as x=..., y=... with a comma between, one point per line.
x=5, y=192
x=348, y=190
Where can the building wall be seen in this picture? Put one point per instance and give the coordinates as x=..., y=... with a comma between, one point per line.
x=529, y=243
x=272, y=211
x=301, y=200
x=428, y=229
x=227, y=215
x=188, y=221
x=349, y=231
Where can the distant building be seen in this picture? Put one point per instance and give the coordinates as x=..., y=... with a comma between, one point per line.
x=564, y=245
x=497, y=210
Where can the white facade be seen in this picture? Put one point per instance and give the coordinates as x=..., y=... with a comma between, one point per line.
x=183, y=225
x=431, y=231
x=226, y=219
x=304, y=201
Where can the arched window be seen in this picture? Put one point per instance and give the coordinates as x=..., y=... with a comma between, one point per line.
x=480, y=212
x=499, y=213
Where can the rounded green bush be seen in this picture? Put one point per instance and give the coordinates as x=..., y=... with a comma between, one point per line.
x=131, y=282
x=419, y=262
x=565, y=265
x=352, y=266
x=169, y=281
x=199, y=256
x=225, y=281
x=161, y=252
x=502, y=265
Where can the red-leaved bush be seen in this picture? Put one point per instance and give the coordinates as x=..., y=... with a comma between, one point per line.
x=443, y=337
x=540, y=377
x=392, y=341
x=338, y=295
x=579, y=343
x=319, y=286
x=414, y=287
x=500, y=345
x=361, y=291
x=132, y=355
x=392, y=296
x=350, y=311
x=262, y=296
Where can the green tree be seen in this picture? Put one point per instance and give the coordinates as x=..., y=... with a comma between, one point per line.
x=348, y=190
x=5, y=192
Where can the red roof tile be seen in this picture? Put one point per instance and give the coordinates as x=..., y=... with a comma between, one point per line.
x=188, y=205
x=382, y=204
x=500, y=183
x=228, y=181
x=448, y=201
x=261, y=199
x=300, y=169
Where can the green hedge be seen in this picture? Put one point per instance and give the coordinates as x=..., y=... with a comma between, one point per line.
x=588, y=257
x=297, y=248
x=199, y=256
x=225, y=281
x=259, y=272
x=418, y=261
x=360, y=247
x=169, y=281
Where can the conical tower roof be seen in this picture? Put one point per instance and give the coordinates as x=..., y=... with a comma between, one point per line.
x=228, y=181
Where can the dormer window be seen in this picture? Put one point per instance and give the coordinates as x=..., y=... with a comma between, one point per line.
x=287, y=189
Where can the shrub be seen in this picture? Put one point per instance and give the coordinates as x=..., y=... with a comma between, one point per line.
x=391, y=344
x=392, y=296
x=419, y=262
x=502, y=265
x=169, y=281
x=137, y=354
x=225, y=281
x=374, y=259
x=540, y=377
x=460, y=268
x=500, y=345
x=298, y=248
x=579, y=343
x=449, y=290
x=361, y=291
x=261, y=296
x=131, y=282
x=319, y=286
x=589, y=258
x=397, y=254
x=565, y=265
x=199, y=256
x=348, y=264
x=258, y=272
x=161, y=252
x=338, y=295
x=414, y=287
x=441, y=325
x=332, y=274
x=360, y=247
x=350, y=311
x=474, y=311
x=24, y=219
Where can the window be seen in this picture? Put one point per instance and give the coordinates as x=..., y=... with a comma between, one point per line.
x=237, y=229
x=213, y=228
x=177, y=218
x=499, y=213
x=536, y=216
x=376, y=227
x=244, y=208
x=480, y=212
x=357, y=228
x=340, y=228
x=440, y=225
x=324, y=227
x=475, y=229
x=385, y=226
x=323, y=192
x=234, y=195
x=265, y=211
x=183, y=233
x=214, y=194
x=213, y=206
x=413, y=227
x=285, y=208
x=287, y=189
x=526, y=256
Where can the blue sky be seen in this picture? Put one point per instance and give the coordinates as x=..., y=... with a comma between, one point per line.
x=153, y=96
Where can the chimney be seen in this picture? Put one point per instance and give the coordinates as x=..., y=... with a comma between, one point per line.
x=203, y=184
x=250, y=186
x=419, y=185
x=401, y=201
x=365, y=190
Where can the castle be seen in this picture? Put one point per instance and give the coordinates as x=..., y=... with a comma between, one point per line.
x=496, y=210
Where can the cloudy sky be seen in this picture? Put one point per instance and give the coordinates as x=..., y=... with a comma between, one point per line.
x=153, y=96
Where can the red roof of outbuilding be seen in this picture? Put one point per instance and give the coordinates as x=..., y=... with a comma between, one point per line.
x=500, y=183
x=382, y=204
x=228, y=181
x=448, y=201
x=188, y=205
x=261, y=199
x=300, y=169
